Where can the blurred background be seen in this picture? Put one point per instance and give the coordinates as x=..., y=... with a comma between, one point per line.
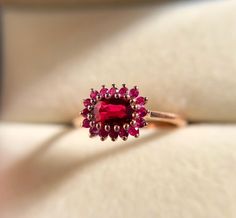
x=181, y=54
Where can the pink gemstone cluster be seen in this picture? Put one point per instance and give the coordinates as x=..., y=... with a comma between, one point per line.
x=114, y=112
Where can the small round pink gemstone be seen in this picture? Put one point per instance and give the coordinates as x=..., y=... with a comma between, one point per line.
x=112, y=91
x=133, y=93
x=93, y=94
x=93, y=131
x=123, y=133
x=142, y=112
x=87, y=102
x=123, y=91
x=140, y=100
x=113, y=134
x=86, y=123
x=140, y=122
x=103, y=133
x=134, y=131
x=103, y=91
x=85, y=112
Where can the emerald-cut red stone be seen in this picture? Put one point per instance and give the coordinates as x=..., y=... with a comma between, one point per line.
x=112, y=111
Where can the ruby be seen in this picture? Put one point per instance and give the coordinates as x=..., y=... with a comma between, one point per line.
x=103, y=133
x=103, y=91
x=134, y=131
x=113, y=134
x=140, y=122
x=93, y=131
x=104, y=111
x=123, y=133
x=112, y=91
x=133, y=93
x=142, y=112
x=123, y=91
x=85, y=112
x=93, y=94
x=111, y=108
x=87, y=102
x=86, y=123
x=140, y=100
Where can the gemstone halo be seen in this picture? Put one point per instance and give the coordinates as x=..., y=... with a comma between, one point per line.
x=114, y=112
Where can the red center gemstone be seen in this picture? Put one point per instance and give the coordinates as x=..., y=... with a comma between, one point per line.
x=114, y=111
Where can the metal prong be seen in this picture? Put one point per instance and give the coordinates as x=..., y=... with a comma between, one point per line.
x=134, y=107
x=113, y=139
x=132, y=101
x=124, y=85
x=124, y=138
x=136, y=136
x=89, y=116
x=126, y=126
x=116, y=128
x=90, y=107
x=127, y=97
x=93, y=101
x=107, y=96
x=113, y=85
x=136, y=87
x=107, y=128
x=98, y=97
x=146, y=99
x=134, y=115
x=133, y=123
x=116, y=95
x=103, y=138
x=92, y=123
x=103, y=86
x=91, y=89
x=98, y=126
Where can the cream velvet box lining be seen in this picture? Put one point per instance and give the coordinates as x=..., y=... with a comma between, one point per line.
x=182, y=57
x=52, y=171
x=61, y=3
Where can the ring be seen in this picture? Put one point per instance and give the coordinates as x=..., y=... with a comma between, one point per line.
x=119, y=113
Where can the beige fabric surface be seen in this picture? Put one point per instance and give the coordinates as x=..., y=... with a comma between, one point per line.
x=53, y=171
x=182, y=56
x=54, y=3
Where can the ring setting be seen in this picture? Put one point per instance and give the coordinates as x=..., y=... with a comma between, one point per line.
x=114, y=112
x=120, y=112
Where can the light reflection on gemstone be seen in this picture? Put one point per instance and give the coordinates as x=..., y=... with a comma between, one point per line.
x=113, y=110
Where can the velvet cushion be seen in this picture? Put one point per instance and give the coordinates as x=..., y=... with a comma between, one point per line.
x=182, y=57
x=56, y=171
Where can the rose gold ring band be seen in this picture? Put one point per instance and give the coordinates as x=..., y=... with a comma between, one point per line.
x=153, y=116
x=166, y=117
x=121, y=112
